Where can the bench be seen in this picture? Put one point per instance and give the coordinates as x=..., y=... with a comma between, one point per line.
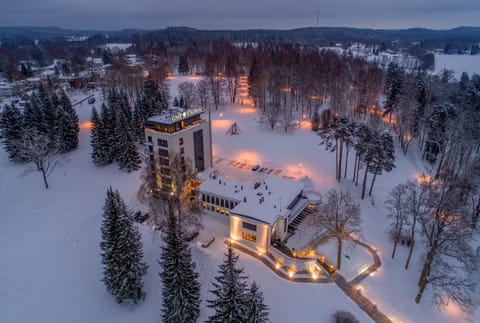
x=208, y=242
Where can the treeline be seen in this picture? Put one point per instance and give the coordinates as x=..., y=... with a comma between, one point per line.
x=47, y=126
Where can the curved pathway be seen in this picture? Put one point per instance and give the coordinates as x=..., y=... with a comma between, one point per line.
x=348, y=288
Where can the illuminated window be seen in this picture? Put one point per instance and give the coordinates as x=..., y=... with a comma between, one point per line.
x=249, y=236
x=180, y=141
x=249, y=226
x=149, y=138
x=204, y=205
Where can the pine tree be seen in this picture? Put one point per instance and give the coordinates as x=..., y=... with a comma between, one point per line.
x=11, y=131
x=65, y=133
x=384, y=157
x=73, y=127
x=100, y=138
x=139, y=119
x=109, y=125
x=121, y=251
x=24, y=70
x=50, y=111
x=256, y=311
x=34, y=117
x=183, y=65
x=181, y=289
x=230, y=292
x=393, y=87
x=126, y=153
x=97, y=138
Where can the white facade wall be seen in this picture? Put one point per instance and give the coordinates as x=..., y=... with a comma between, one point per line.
x=259, y=238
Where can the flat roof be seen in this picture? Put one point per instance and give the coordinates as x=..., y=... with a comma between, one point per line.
x=174, y=115
x=275, y=194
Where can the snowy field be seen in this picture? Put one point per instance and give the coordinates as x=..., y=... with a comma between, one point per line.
x=50, y=267
x=458, y=64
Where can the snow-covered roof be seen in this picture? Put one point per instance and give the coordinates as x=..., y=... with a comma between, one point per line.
x=173, y=115
x=263, y=201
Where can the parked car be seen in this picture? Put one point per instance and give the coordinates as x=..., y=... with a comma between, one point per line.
x=255, y=168
x=91, y=101
x=140, y=217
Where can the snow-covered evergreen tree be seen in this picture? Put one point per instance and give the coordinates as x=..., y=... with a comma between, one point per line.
x=109, y=124
x=101, y=151
x=50, y=109
x=11, y=130
x=384, y=157
x=256, y=311
x=67, y=136
x=393, y=87
x=72, y=126
x=181, y=289
x=230, y=287
x=139, y=119
x=34, y=117
x=126, y=153
x=122, y=252
x=183, y=65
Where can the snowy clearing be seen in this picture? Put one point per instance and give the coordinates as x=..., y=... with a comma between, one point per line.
x=458, y=64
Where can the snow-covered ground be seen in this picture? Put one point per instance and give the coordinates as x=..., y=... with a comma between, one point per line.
x=50, y=267
x=458, y=64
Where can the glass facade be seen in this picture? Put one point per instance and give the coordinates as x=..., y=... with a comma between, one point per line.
x=198, y=150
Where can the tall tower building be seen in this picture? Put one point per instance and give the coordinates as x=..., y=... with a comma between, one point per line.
x=181, y=132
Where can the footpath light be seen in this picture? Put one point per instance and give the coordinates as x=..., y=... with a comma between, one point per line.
x=291, y=273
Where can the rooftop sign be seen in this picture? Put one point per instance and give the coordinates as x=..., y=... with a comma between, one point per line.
x=185, y=114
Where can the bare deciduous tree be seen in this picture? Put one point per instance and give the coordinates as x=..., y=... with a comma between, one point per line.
x=449, y=256
x=396, y=211
x=340, y=215
x=176, y=194
x=38, y=148
x=187, y=91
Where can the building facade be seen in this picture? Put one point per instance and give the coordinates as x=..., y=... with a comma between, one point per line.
x=182, y=134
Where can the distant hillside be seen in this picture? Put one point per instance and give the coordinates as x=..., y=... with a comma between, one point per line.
x=312, y=35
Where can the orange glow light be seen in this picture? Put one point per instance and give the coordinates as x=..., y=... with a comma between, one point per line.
x=221, y=124
x=87, y=125
x=306, y=125
x=423, y=179
x=250, y=157
x=247, y=110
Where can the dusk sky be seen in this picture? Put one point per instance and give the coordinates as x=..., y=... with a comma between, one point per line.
x=230, y=14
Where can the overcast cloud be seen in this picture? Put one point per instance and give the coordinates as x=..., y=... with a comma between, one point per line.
x=239, y=14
